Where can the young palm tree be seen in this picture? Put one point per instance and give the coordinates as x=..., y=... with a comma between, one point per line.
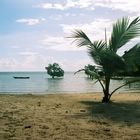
x=105, y=54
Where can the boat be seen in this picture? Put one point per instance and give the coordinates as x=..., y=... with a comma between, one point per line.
x=21, y=77
x=117, y=78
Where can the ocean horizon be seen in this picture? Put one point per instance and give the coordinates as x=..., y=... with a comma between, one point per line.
x=41, y=82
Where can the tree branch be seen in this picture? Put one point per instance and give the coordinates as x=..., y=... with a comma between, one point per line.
x=101, y=84
x=129, y=82
x=79, y=71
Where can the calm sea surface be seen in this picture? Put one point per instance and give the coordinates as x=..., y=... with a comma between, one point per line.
x=41, y=82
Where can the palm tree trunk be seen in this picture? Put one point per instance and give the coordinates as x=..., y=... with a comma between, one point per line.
x=106, y=97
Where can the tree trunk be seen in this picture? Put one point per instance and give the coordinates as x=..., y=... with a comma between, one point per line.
x=106, y=98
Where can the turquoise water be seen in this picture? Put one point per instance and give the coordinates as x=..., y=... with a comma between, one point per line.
x=41, y=82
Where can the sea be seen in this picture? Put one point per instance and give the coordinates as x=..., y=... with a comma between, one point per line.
x=41, y=82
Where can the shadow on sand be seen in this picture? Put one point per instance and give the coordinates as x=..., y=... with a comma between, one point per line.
x=127, y=112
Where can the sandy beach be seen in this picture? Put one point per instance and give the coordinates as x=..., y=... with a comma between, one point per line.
x=69, y=117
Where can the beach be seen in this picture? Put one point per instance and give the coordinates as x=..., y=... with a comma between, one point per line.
x=69, y=117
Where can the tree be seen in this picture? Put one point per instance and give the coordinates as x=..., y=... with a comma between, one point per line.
x=132, y=58
x=104, y=54
x=89, y=69
x=54, y=70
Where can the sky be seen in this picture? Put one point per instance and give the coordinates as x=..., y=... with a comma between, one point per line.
x=34, y=33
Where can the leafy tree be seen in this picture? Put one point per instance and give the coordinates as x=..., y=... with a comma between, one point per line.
x=89, y=69
x=104, y=53
x=132, y=58
x=54, y=70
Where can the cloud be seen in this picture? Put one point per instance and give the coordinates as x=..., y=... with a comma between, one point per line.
x=30, y=21
x=58, y=43
x=21, y=41
x=125, y=5
x=28, y=53
x=25, y=63
x=34, y=41
x=56, y=17
x=38, y=63
x=95, y=30
x=79, y=3
x=6, y=63
x=68, y=4
x=34, y=51
x=51, y=6
x=75, y=65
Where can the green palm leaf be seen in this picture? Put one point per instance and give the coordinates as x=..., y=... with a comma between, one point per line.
x=81, y=38
x=111, y=62
x=95, y=51
x=94, y=48
x=123, y=32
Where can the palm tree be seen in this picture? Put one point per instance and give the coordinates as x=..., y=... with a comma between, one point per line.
x=105, y=54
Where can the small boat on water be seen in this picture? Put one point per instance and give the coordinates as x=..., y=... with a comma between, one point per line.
x=21, y=77
x=117, y=78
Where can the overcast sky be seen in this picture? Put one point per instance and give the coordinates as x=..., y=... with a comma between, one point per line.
x=33, y=32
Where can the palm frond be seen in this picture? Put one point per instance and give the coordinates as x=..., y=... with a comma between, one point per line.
x=97, y=46
x=111, y=62
x=81, y=38
x=79, y=71
x=123, y=32
x=95, y=51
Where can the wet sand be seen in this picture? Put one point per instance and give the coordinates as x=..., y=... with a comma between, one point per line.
x=69, y=117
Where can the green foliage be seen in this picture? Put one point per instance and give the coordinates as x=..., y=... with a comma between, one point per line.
x=54, y=70
x=93, y=71
x=132, y=58
x=123, y=31
x=105, y=54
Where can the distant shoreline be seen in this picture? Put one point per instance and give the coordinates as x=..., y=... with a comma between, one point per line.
x=63, y=93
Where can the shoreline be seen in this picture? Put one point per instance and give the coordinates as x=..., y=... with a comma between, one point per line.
x=79, y=116
x=64, y=92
